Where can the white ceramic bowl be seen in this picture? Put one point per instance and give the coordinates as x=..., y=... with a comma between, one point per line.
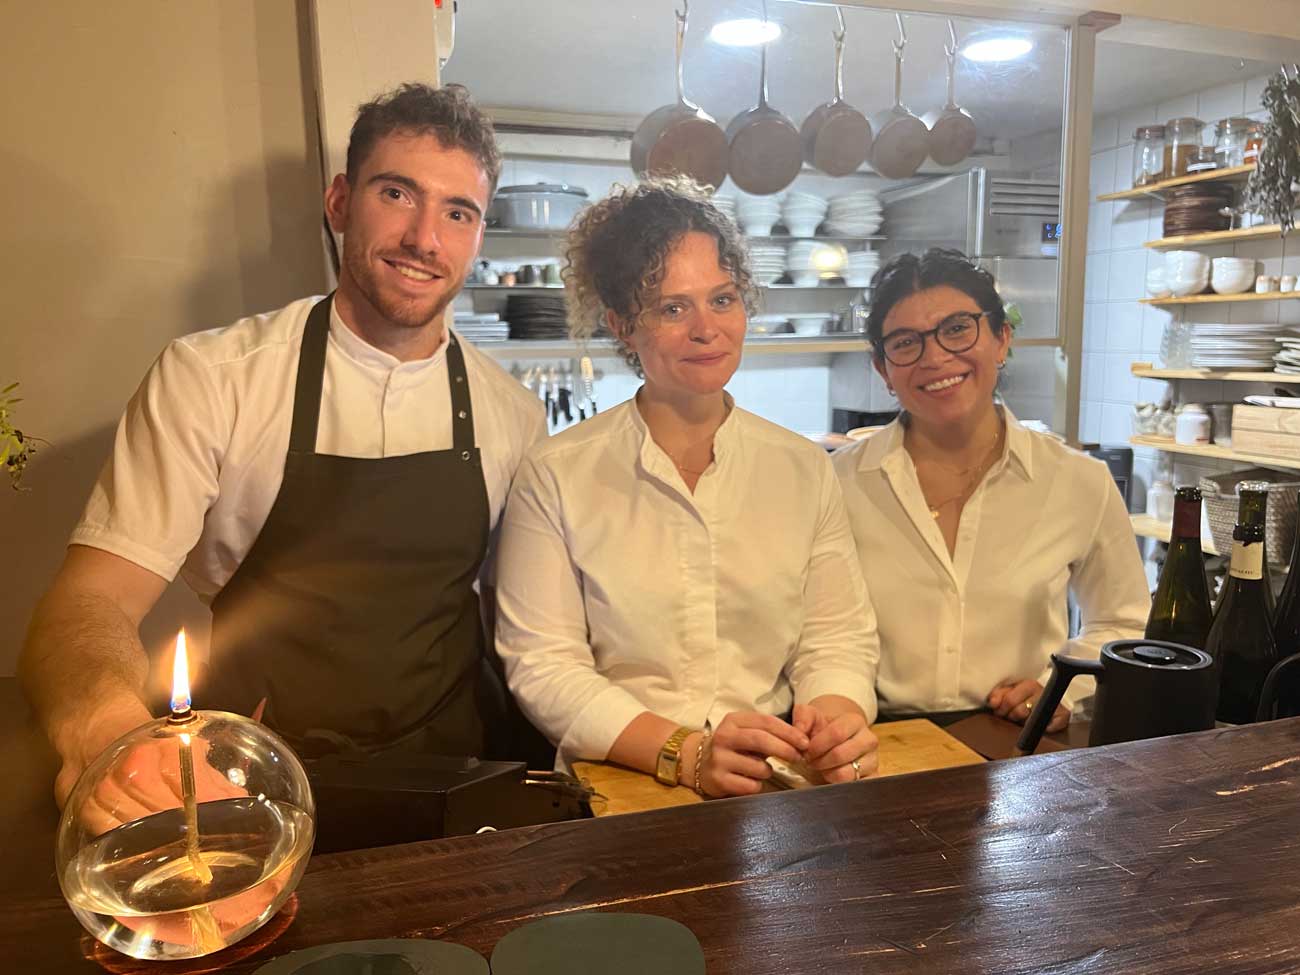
x=1182, y=287
x=809, y=323
x=803, y=227
x=803, y=278
x=1186, y=264
x=1234, y=278
x=1156, y=286
x=757, y=226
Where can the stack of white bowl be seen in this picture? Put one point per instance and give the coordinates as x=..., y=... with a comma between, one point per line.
x=758, y=214
x=1232, y=275
x=1156, y=287
x=803, y=264
x=810, y=323
x=766, y=262
x=861, y=267
x=727, y=204
x=769, y=324
x=802, y=213
x=1186, y=272
x=854, y=214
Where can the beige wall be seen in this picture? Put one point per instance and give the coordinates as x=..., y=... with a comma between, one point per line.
x=160, y=174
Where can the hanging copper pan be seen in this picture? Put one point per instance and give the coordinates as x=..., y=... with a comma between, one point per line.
x=836, y=136
x=681, y=138
x=766, y=151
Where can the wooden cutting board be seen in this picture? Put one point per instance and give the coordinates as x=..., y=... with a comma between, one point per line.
x=915, y=745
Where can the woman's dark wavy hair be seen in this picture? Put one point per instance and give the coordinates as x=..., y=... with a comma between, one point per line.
x=907, y=274
x=616, y=251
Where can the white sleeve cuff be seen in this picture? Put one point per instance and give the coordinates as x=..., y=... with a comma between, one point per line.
x=598, y=726
x=845, y=683
x=117, y=544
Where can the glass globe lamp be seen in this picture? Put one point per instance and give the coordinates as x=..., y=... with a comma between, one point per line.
x=185, y=835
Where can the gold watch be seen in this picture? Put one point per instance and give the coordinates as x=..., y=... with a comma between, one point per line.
x=670, y=757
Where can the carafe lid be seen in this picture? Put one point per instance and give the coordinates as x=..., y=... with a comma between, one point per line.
x=1157, y=654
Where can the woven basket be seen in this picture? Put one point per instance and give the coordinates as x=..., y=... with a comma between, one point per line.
x=1220, y=497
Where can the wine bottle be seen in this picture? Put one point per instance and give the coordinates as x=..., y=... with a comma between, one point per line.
x=1241, y=637
x=1286, y=629
x=1180, y=611
x=1252, y=510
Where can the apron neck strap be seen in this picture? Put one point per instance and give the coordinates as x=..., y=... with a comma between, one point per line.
x=311, y=373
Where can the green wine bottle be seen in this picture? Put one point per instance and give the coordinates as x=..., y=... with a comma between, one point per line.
x=1286, y=631
x=1241, y=637
x=1180, y=611
x=1252, y=510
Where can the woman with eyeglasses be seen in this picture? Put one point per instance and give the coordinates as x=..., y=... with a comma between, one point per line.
x=970, y=527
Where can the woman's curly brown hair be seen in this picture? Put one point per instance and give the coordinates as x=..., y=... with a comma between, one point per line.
x=617, y=248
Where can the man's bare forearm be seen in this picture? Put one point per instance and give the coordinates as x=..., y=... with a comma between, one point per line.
x=81, y=651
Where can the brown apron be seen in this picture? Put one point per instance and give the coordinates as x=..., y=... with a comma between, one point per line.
x=354, y=614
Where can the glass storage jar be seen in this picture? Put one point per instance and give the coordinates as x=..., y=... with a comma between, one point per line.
x=1254, y=139
x=1183, y=136
x=1148, y=154
x=1230, y=141
x=1202, y=160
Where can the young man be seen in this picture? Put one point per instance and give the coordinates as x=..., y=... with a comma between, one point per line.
x=326, y=476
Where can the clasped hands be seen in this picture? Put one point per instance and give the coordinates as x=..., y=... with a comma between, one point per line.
x=828, y=735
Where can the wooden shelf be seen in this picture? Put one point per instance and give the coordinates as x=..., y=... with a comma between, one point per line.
x=1148, y=526
x=1144, y=370
x=763, y=287
x=1213, y=451
x=1236, y=174
x=1267, y=231
x=1218, y=299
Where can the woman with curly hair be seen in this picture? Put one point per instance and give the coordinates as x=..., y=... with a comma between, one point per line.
x=970, y=527
x=678, y=590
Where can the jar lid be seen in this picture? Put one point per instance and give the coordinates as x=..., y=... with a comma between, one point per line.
x=542, y=188
x=1183, y=122
x=1234, y=121
x=1149, y=132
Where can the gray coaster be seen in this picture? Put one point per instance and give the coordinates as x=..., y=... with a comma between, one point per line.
x=595, y=943
x=388, y=956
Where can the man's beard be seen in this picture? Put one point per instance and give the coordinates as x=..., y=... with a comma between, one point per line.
x=402, y=312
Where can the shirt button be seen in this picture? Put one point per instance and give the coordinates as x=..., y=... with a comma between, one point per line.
x=462, y=414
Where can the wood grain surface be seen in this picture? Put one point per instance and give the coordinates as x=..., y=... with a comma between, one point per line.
x=914, y=745
x=1171, y=856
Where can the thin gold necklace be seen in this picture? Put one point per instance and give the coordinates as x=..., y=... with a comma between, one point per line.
x=968, y=485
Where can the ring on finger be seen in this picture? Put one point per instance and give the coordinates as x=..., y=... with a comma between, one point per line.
x=1029, y=705
x=857, y=769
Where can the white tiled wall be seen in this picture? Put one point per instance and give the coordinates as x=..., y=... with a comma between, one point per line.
x=1117, y=329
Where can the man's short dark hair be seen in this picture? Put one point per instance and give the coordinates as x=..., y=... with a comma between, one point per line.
x=447, y=113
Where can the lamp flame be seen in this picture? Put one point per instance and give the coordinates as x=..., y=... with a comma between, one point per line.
x=180, y=677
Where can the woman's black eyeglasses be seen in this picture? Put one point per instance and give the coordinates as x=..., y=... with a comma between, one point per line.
x=956, y=333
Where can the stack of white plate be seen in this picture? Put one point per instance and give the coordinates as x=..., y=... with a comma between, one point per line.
x=727, y=204
x=766, y=262
x=769, y=324
x=802, y=213
x=1287, y=358
x=803, y=264
x=854, y=214
x=861, y=267
x=758, y=214
x=1234, y=346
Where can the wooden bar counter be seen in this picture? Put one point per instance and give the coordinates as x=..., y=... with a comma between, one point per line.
x=1176, y=855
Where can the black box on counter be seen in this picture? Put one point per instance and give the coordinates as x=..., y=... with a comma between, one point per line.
x=365, y=801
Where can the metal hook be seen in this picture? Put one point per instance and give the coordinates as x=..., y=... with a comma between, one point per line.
x=902, y=33
x=839, y=15
x=952, y=34
x=685, y=11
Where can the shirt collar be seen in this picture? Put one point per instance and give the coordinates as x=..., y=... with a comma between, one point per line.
x=884, y=449
x=655, y=458
x=362, y=352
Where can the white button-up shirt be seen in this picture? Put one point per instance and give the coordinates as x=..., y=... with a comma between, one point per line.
x=199, y=454
x=620, y=592
x=1045, y=518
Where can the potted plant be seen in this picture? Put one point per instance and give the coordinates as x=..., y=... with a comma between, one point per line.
x=16, y=448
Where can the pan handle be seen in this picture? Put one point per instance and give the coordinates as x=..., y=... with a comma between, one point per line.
x=839, y=57
x=899, y=45
x=762, y=77
x=682, y=16
x=951, y=52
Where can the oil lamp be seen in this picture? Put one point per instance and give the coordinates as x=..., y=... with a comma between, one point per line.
x=186, y=834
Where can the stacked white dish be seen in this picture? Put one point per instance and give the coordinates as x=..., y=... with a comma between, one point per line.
x=481, y=327
x=1156, y=286
x=810, y=323
x=1186, y=272
x=1232, y=275
x=1232, y=346
x=766, y=262
x=861, y=268
x=758, y=214
x=727, y=204
x=802, y=213
x=808, y=261
x=1287, y=359
x=855, y=214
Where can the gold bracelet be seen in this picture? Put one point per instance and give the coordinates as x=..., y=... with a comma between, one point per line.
x=699, y=760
